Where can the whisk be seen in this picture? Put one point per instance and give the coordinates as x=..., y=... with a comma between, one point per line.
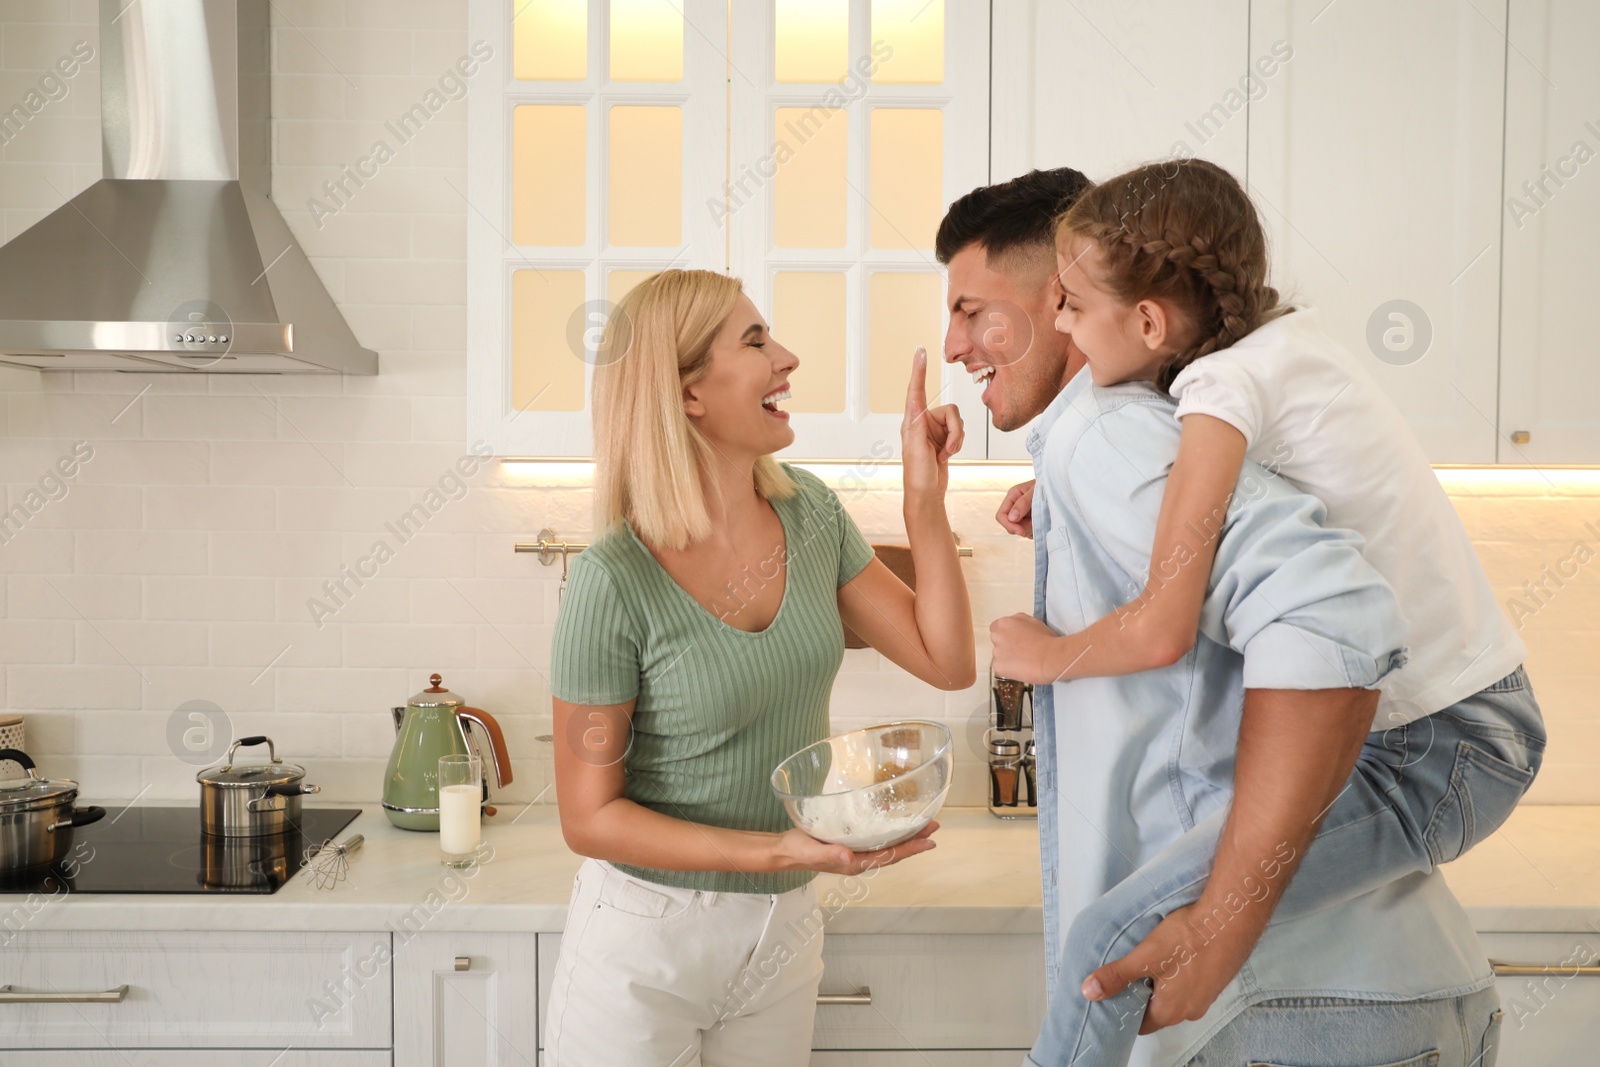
x=329, y=862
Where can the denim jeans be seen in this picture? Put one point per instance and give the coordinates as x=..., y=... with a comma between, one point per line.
x=1327, y=1032
x=1420, y=795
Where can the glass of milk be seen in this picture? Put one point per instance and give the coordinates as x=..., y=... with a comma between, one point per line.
x=460, y=794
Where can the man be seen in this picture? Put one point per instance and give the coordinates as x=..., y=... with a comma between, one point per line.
x=1296, y=630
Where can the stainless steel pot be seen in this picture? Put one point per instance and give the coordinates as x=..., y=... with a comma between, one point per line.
x=37, y=817
x=252, y=799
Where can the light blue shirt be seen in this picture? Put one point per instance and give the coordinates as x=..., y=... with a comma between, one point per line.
x=1141, y=758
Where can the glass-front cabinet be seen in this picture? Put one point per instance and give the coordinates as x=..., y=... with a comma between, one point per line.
x=808, y=147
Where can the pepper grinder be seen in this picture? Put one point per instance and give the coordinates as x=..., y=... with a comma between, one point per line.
x=1009, y=749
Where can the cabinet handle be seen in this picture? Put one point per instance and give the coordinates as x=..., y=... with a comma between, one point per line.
x=8, y=995
x=1535, y=970
x=862, y=998
x=463, y=963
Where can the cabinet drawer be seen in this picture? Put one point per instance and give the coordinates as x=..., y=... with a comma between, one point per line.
x=933, y=1058
x=172, y=1057
x=199, y=990
x=929, y=991
x=932, y=991
x=1554, y=1017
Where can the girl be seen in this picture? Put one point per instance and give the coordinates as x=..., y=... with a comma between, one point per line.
x=695, y=649
x=1163, y=273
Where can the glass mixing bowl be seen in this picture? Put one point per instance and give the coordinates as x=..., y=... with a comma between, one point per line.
x=868, y=789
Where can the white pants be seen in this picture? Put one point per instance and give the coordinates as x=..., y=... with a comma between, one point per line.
x=654, y=976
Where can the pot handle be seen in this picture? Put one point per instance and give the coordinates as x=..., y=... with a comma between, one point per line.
x=496, y=740
x=18, y=756
x=259, y=804
x=250, y=742
x=81, y=817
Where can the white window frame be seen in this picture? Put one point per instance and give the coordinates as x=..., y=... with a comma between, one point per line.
x=963, y=97
x=717, y=134
x=492, y=257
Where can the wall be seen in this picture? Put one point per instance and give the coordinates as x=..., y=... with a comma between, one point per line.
x=178, y=565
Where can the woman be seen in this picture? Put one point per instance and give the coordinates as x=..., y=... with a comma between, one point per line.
x=696, y=647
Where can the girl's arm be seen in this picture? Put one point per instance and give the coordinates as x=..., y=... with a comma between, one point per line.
x=598, y=820
x=1158, y=627
x=927, y=632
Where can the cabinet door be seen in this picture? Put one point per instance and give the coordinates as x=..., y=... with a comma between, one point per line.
x=590, y=165
x=854, y=124
x=1103, y=86
x=1550, y=1018
x=1549, y=374
x=478, y=1015
x=1375, y=162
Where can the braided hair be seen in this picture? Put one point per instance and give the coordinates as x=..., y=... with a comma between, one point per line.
x=1182, y=230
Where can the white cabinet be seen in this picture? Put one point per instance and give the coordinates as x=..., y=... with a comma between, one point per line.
x=887, y=999
x=1553, y=1017
x=189, y=990
x=464, y=1000
x=1375, y=161
x=1102, y=86
x=1551, y=222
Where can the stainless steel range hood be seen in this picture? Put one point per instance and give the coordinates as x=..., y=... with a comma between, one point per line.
x=177, y=259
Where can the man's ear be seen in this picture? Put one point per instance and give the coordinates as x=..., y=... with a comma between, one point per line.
x=1155, y=325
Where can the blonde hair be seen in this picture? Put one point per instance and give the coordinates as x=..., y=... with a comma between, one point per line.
x=649, y=457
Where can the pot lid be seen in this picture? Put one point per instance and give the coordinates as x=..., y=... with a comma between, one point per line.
x=22, y=794
x=273, y=772
x=252, y=774
x=435, y=696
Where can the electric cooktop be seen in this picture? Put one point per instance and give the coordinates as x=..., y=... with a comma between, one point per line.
x=155, y=849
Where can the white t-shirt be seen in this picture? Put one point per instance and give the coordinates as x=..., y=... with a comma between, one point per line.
x=1311, y=412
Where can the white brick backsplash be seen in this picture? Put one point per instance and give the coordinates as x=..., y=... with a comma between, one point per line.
x=210, y=418
x=418, y=646
x=145, y=463
x=215, y=505
x=97, y=596
x=74, y=687
x=209, y=507
x=377, y=600
x=277, y=463
x=233, y=689
x=142, y=643
x=208, y=598
x=346, y=691
x=37, y=640
x=139, y=552
x=267, y=646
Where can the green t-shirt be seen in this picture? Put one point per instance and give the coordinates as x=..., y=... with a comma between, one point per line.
x=716, y=708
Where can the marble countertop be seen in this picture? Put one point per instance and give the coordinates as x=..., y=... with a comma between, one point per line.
x=1541, y=873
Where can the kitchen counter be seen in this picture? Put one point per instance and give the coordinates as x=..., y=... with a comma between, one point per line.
x=1541, y=873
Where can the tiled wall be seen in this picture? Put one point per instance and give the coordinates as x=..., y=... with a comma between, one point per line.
x=178, y=565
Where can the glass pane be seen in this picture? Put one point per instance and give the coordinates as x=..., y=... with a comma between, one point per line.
x=646, y=41
x=646, y=181
x=547, y=174
x=808, y=196
x=550, y=39
x=907, y=188
x=620, y=282
x=546, y=374
x=812, y=40
x=808, y=319
x=912, y=32
x=904, y=311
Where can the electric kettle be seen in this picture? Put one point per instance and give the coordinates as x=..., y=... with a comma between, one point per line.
x=433, y=724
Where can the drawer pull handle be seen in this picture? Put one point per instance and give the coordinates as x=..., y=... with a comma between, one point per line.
x=109, y=996
x=463, y=963
x=862, y=998
x=1537, y=970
